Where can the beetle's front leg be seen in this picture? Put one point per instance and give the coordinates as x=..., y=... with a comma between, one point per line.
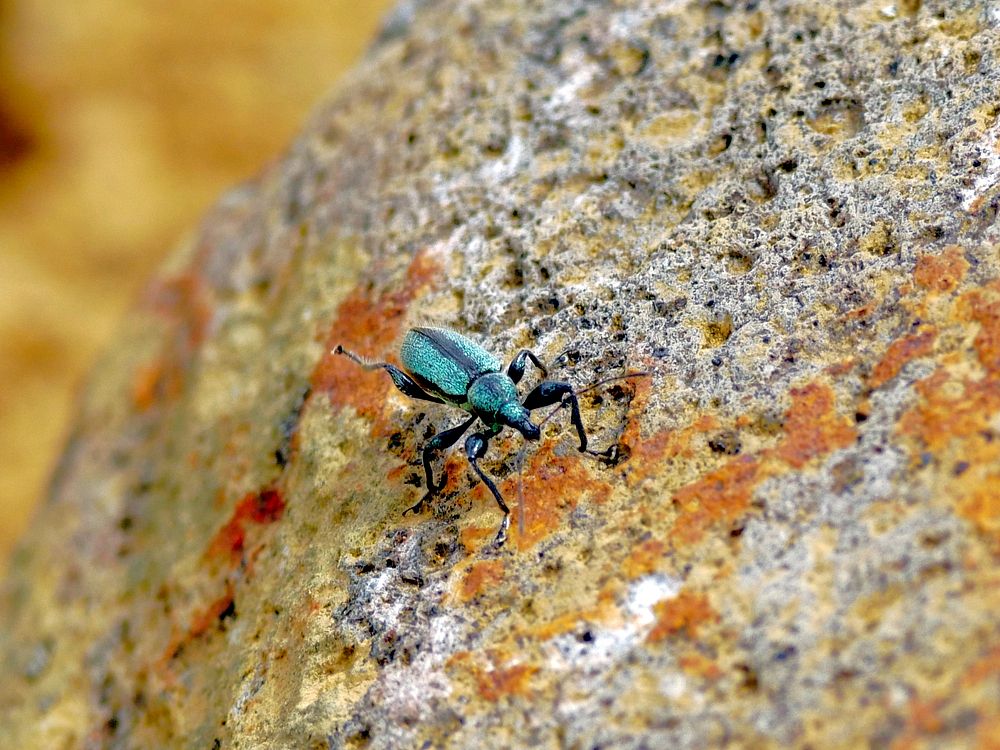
x=515, y=370
x=554, y=392
x=441, y=441
x=475, y=448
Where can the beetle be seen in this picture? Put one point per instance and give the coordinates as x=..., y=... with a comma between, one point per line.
x=445, y=367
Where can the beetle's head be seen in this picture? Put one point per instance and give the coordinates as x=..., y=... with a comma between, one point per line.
x=516, y=416
x=493, y=397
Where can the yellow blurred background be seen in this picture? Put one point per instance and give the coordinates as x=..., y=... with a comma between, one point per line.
x=120, y=122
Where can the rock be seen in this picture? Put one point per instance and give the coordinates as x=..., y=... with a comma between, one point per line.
x=786, y=212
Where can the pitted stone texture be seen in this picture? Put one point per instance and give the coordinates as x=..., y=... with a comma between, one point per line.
x=785, y=212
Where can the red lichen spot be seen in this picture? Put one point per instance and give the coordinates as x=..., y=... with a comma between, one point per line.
x=812, y=426
x=721, y=496
x=941, y=273
x=203, y=620
x=899, y=353
x=369, y=324
x=264, y=507
x=859, y=313
x=479, y=577
x=685, y=613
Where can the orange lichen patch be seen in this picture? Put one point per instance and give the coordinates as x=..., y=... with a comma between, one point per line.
x=923, y=719
x=812, y=429
x=644, y=559
x=985, y=310
x=720, y=497
x=988, y=732
x=479, y=577
x=698, y=665
x=983, y=669
x=553, y=486
x=941, y=273
x=369, y=325
x=685, y=613
x=496, y=683
x=951, y=408
x=473, y=537
x=604, y=612
x=812, y=426
x=981, y=505
x=266, y=506
x=925, y=716
x=841, y=368
x=899, y=353
x=669, y=443
x=496, y=680
x=184, y=302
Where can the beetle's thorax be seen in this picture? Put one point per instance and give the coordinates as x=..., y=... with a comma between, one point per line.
x=493, y=398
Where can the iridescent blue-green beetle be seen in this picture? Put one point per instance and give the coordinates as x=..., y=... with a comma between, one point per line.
x=447, y=368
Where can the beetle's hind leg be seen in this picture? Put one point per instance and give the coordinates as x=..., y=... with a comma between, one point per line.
x=551, y=392
x=475, y=448
x=441, y=441
x=401, y=380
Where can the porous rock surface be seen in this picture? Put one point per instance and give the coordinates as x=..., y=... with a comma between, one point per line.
x=785, y=211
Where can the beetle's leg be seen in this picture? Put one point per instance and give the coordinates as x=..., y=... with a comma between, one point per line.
x=551, y=392
x=402, y=381
x=475, y=448
x=515, y=370
x=441, y=441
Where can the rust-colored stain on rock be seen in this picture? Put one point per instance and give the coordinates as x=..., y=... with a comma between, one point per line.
x=184, y=303
x=479, y=577
x=720, y=497
x=943, y=272
x=812, y=427
x=553, y=485
x=500, y=682
x=899, y=353
x=264, y=507
x=682, y=615
x=369, y=325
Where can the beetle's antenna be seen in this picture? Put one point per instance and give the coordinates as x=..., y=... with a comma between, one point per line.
x=591, y=387
x=520, y=491
x=366, y=363
x=612, y=379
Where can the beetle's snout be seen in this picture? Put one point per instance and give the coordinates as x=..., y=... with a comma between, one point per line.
x=516, y=416
x=529, y=430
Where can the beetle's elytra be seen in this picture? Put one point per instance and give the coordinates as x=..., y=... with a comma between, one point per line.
x=447, y=368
